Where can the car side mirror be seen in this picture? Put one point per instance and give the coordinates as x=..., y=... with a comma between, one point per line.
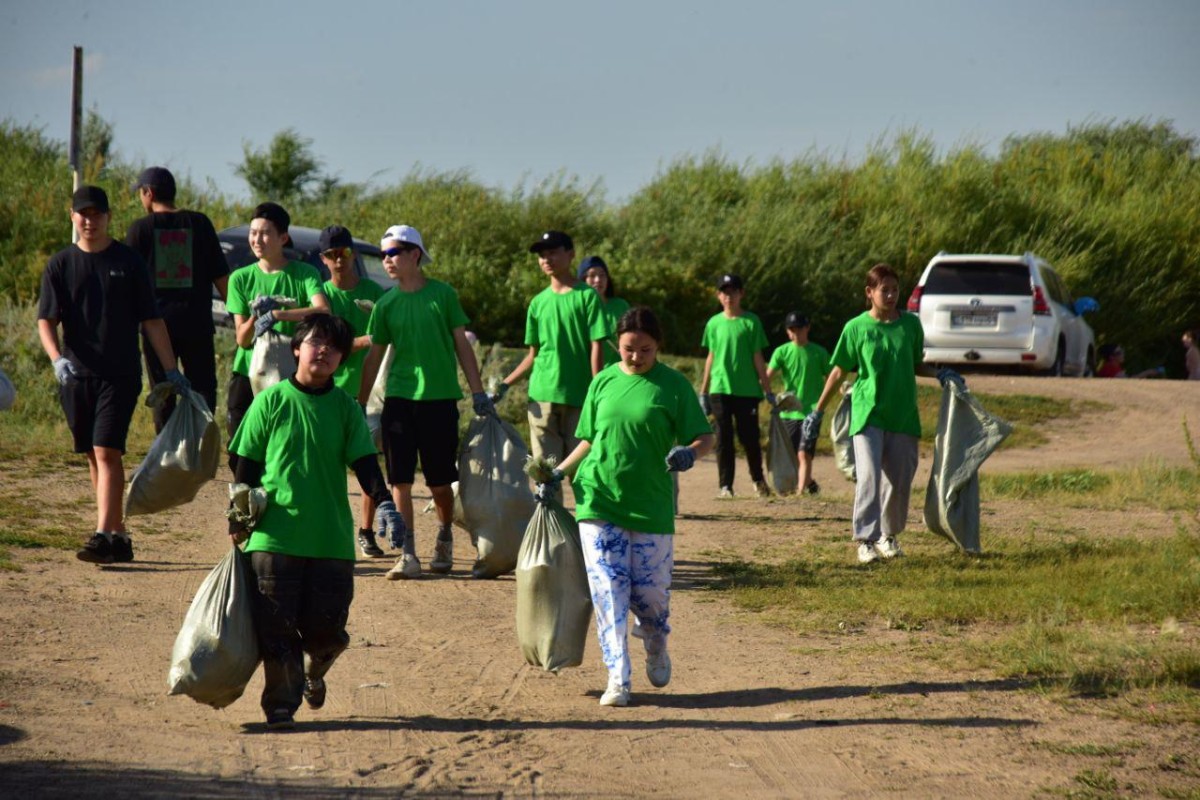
x=1086, y=305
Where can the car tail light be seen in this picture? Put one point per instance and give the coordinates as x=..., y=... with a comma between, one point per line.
x=914, y=300
x=1040, y=306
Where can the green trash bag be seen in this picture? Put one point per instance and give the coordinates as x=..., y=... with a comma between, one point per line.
x=492, y=499
x=554, y=604
x=839, y=432
x=966, y=435
x=783, y=464
x=182, y=458
x=216, y=651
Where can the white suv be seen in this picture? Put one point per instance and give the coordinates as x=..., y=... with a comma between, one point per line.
x=1003, y=310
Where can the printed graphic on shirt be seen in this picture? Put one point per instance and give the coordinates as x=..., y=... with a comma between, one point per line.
x=173, y=258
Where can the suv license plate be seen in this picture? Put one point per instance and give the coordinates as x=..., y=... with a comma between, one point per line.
x=967, y=320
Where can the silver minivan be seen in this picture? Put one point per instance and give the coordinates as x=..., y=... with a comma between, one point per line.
x=1003, y=310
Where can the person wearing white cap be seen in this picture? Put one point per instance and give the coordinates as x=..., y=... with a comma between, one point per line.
x=425, y=325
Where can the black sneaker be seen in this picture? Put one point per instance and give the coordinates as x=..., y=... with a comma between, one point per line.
x=122, y=549
x=314, y=692
x=280, y=720
x=366, y=542
x=812, y=488
x=96, y=550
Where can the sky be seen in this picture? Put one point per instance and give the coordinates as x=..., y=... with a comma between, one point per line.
x=517, y=92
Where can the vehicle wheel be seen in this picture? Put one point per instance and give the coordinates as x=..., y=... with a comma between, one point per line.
x=1060, y=358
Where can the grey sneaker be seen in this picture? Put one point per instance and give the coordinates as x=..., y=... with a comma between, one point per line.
x=443, y=556
x=658, y=668
x=407, y=568
x=615, y=695
x=866, y=553
x=366, y=543
x=888, y=548
x=96, y=550
x=726, y=493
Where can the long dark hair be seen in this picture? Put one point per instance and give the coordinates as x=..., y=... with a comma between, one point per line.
x=640, y=319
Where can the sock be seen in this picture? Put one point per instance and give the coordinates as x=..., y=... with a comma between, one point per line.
x=123, y=534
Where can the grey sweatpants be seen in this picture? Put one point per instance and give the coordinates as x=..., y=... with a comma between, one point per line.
x=886, y=464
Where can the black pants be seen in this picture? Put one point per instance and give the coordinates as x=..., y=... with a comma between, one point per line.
x=300, y=610
x=236, y=404
x=199, y=365
x=730, y=412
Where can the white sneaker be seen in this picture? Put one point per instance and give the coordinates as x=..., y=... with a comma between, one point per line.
x=615, y=694
x=866, y=553
x=888, y=548
x=725, y=493
x=407, y=567
x=658, y=668
x=443, y=556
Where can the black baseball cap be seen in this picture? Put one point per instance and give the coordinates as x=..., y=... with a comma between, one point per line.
x=89, y=197
x=334, y=236
x=159, y=179
x=729, y=281
x=795, y=319
x=275, y=214
x=550, y=240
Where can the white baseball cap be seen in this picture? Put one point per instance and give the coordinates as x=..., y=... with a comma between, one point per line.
x=409, y=235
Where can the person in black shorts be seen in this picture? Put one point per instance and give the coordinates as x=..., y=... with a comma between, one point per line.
x=99, y=292
x=185, y=259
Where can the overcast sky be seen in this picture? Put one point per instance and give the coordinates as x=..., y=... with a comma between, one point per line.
x=610, y=91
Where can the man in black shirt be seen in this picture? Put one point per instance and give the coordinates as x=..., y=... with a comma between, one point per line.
x=185, y=259
x=99, y=291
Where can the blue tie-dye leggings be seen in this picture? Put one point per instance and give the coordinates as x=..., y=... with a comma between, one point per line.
x=628, y=571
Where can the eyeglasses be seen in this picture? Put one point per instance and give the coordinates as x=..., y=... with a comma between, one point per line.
x=317, y=344
x=334, y=253
x=391, y=252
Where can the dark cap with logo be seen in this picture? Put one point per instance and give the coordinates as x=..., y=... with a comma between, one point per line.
x=89, y=197
x=334, y=236
x=729, y=281
x=795, y=319
x=550, y=240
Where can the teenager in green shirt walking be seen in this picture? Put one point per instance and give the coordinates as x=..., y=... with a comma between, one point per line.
x=886, y=347
x=735, y=382
x=804, y=366
x=425, y=325
x=641, y=420
x=594, y=272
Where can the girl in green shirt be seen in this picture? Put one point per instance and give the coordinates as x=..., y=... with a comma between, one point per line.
x=594, y=272
x=641, y=421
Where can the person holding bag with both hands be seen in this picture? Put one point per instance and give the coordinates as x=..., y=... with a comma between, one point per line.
x=640, y=421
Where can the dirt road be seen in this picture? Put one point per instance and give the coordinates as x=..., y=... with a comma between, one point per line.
x=433, y=698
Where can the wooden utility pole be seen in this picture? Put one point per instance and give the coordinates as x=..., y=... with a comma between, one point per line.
x=73, y=156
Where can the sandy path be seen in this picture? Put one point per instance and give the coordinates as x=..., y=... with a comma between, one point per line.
x=434, y=700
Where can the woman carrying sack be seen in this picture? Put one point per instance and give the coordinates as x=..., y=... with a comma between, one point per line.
x=641, y=420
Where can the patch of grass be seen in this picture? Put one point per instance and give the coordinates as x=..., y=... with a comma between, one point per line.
x=1099, y=782
x=1088, y=749
x=1151, y=484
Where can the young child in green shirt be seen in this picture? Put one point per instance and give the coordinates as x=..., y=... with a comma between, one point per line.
x=352, y=299
x=302, y=547
x=804, y=366
x=886, y=347
x=641, y=420
x=736, y=375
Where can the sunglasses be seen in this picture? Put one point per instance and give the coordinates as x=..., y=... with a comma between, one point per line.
x=334, y=253
x=397, y=251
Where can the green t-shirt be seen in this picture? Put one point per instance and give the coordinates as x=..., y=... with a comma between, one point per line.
x=296, y=280
x=306, y=442
x=632, y=422
x=420, y=328
x=886, y=356
x=804, y=369
x=349, y=375
x=562, y=327
x=733, y=343
x=614, y=308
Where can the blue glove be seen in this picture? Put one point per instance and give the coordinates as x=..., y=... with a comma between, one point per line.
x=264, y=323
x=64, y=370
x=498, y=395
x=946, y=375
x=680, y=459
x=389, y=524
x=549, y=490
x=262, y=304
x=811, y=428
x=176, y=379
x=706, y=404
x=483, y=404
x=772, y=400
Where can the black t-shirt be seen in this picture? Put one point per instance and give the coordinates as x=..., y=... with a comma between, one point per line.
x=101, y=299
x=185, y=259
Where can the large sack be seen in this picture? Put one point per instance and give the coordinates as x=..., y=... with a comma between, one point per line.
x=493, y=500
x=182, y=458
x=376, y=398
x=966, y=436
x=783, y=464
x=272, y=361
x=216, y=651
x=839, y=432
x=554, y=604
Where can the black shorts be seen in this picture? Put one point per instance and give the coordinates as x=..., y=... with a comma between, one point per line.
x=237, y=403
x=425, y=428
x=99, y=410
x=795, y=428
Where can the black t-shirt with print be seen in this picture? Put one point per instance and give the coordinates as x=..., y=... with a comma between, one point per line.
x=101, y=299
x=185, y=258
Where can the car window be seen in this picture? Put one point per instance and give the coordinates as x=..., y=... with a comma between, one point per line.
x=1057, y=289
x=374, y=268
x=978, y=277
